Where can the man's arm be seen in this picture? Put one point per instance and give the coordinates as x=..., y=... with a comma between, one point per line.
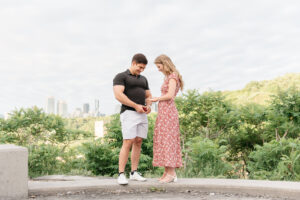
x=148, y=102
x=148, y=96
x=123, y=99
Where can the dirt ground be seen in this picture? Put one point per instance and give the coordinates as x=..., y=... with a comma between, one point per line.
x=156, y=196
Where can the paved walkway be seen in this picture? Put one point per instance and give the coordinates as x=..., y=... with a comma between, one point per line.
x=53, y=185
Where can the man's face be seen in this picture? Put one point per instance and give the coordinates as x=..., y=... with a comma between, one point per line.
x=138, y=68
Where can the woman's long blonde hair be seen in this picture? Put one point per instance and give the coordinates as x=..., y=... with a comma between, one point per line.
x=168, y=67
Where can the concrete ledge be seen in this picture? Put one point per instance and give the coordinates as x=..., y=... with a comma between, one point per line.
x=99, y=185
x=13, y=171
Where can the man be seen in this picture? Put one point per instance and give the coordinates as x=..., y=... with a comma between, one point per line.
x=131, y=90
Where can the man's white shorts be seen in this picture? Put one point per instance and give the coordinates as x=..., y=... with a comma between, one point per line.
x=134, y=124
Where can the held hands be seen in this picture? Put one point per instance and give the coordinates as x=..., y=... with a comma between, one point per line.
x=154, y=99
x=148, y=101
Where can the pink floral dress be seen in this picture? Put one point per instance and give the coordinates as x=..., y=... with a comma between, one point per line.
x=166, y=139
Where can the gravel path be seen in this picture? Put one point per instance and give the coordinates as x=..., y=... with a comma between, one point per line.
x=156, y=196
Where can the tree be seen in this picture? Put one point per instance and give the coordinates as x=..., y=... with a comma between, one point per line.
x=207, y=115
x=284, y=114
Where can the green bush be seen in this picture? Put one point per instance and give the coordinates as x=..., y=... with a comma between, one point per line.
x=208, y=110
x=100, y=158
x=277, y=160
x=284, y=114
x=207, y=159
x=241, y=141
x=42, y=159
x=72, y=162
x=31, y=126
x=47, y=139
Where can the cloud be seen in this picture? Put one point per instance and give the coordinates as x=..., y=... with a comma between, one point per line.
x=72, y=49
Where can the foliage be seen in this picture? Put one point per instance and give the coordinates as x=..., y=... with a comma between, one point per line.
x=100, y=158
x=249, y=132
x=207, y=159
x=113, y=134
x=207, y=114
x=277, y=160
x=33, y=125
x=46, y=138
x=42, y=159
x=284, y=114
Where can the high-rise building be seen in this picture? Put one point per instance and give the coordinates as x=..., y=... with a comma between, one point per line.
x=50, y=107
x=96, y=111
x=62, y=108
x=86, y=108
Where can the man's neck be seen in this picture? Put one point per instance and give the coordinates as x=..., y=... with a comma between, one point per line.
x=131, y=71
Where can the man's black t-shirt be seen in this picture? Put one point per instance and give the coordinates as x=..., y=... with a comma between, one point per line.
x=135, y=87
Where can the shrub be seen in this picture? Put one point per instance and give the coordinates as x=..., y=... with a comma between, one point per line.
x=207, y=159
x=277, y=160
x=42, y=159
x=100, y=158
x=284, y=114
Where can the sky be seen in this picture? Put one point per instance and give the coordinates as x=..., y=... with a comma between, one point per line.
x=72, y=49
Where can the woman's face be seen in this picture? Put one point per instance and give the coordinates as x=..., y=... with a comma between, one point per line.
x=160, y=67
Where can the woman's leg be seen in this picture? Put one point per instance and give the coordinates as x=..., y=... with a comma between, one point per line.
x=171, y=171
x=170, y=175
x=164, y=174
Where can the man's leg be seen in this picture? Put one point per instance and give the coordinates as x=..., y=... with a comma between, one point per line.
x=135, y=153
x=123, y=157
x=135, y=157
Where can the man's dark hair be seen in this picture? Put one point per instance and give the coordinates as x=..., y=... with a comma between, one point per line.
x=140, y=58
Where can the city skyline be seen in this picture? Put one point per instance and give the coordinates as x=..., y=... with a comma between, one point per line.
x=62, y=108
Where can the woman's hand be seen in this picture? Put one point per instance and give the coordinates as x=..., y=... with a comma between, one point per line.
x=154, y=99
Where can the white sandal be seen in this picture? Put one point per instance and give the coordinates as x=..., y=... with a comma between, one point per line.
x=162, y=177
x=174, y=179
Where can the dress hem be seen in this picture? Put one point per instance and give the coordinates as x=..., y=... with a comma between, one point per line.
x=158, y=165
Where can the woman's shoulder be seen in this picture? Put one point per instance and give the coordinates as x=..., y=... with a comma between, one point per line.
x=173, y=75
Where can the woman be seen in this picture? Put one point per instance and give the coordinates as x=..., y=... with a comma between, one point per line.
x=166, y=139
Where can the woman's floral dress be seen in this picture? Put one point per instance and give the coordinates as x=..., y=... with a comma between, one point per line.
x=166, y=139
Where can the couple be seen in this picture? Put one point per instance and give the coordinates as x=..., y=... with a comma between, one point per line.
x=132, y=90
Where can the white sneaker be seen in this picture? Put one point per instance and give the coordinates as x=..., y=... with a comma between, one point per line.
x=137, y=176
x=122, y=179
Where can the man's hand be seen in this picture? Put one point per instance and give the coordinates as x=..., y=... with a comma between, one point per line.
x=139, y=108
x=148, y=101
x=148, y=109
